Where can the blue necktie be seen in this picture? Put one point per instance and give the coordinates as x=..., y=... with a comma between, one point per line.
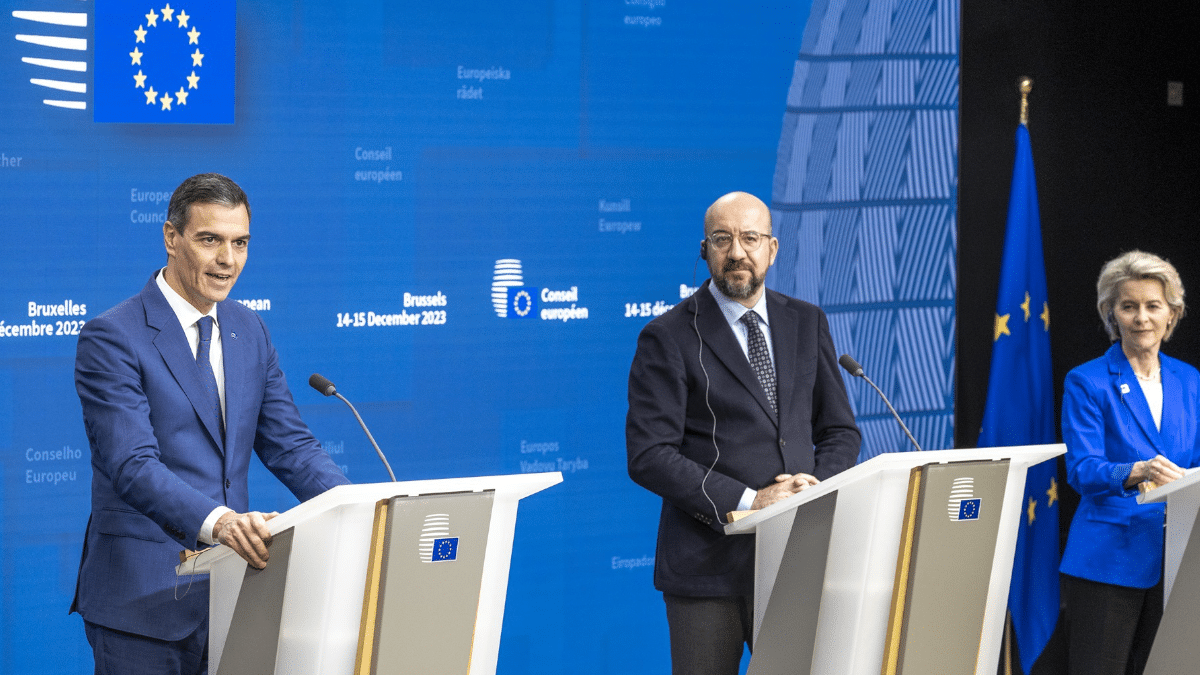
x=205, y=324
x=760, y=359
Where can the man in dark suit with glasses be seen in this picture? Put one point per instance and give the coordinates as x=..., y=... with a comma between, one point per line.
x=735, y=403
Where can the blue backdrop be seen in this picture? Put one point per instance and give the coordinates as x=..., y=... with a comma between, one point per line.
x=412, y=168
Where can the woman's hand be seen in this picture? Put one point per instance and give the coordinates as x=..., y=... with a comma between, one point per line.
x=1159, y=470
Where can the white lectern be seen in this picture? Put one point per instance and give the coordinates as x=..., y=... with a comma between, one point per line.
x=1176, y=649
x=898, y=565
x=370, y=578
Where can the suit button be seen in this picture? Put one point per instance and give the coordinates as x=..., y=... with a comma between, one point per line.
x=227, y=483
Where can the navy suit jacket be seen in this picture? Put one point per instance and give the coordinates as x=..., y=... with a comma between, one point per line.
x=1107, y=426
x=158, y=464
x=669, y=431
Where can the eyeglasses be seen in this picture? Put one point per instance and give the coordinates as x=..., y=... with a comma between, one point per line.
x=721, y=241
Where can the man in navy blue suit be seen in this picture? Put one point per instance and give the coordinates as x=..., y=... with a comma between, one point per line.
x=178, y=385
x=735, y=402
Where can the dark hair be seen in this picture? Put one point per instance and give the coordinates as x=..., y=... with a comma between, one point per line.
x=203, y=188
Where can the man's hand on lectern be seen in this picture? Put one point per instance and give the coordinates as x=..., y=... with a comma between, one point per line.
x=785, y=486
x=247, y=534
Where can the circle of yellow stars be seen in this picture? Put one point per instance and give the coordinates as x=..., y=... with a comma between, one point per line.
x=168, y=16
x=1001, y=327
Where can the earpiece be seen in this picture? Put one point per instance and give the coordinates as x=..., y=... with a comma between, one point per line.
x=707, y=385
x=704, y=250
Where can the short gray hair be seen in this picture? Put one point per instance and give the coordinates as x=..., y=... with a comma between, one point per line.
x=1131, y=266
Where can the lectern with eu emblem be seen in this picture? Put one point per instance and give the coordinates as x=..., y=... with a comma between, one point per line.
x=899, y=565
x=364, y=579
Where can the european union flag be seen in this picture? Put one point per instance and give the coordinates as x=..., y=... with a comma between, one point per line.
x=445, y=549
x=968, y=509
x=165, y=63
x=1020, y=408
x=522, y=302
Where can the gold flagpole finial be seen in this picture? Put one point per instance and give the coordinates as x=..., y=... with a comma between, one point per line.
x=1025, y=85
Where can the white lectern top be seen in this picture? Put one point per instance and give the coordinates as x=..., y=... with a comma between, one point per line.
x=1021, y=457
x=516, y=486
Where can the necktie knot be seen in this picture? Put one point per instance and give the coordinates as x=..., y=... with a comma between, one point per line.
x=205, y=324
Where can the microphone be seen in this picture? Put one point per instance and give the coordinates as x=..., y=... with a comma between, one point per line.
x=846, y=362
x=323, y=385
x=851, y=366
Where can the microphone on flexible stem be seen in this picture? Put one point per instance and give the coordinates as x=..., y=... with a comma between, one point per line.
x=856, y=370
x=323, y=385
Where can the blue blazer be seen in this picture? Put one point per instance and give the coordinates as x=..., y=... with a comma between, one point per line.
x=158, y=465
x=669, y=431
x=1107, y=426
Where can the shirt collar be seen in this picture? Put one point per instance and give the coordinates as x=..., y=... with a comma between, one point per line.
x=184, y=311
x=733, y=310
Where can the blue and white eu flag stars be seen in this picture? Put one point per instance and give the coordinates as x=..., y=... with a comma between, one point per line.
x=522, y=302
x=166, y=62
x=511, y=298
x=435, y=543
x=445, y=549
x=963, y=504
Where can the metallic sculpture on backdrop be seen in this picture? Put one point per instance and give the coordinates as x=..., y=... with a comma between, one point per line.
x=864, y=202
x=178, y=386
x=735, y=402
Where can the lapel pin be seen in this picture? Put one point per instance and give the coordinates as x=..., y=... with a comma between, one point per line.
x=1124, y=388
x=233, y=335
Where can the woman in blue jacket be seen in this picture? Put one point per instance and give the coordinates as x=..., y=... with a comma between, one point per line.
x=1129, y=416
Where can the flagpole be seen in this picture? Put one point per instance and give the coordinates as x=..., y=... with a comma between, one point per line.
x=1025, y=85
x=1008, y=643
x=1021, y=362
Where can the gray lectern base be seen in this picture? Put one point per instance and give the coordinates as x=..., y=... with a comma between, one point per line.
x=1176, y=649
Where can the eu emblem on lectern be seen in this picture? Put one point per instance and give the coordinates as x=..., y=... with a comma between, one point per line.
x=963, y=504
x=445, y=550
x=436, y=543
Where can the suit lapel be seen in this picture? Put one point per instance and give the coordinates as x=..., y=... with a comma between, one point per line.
x=173, y=346
x=719, y=338
x=785, y=329
x=233, y=343
x=1131, y=394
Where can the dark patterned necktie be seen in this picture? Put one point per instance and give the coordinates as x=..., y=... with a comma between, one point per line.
x=206, y=372
x=760, y=359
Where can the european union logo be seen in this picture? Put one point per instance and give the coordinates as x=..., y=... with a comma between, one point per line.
x=445, y=550
x=522, y=302
x=165, y=64
x=968, y=509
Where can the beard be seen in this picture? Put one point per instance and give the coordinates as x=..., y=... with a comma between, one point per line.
x=735, y=289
